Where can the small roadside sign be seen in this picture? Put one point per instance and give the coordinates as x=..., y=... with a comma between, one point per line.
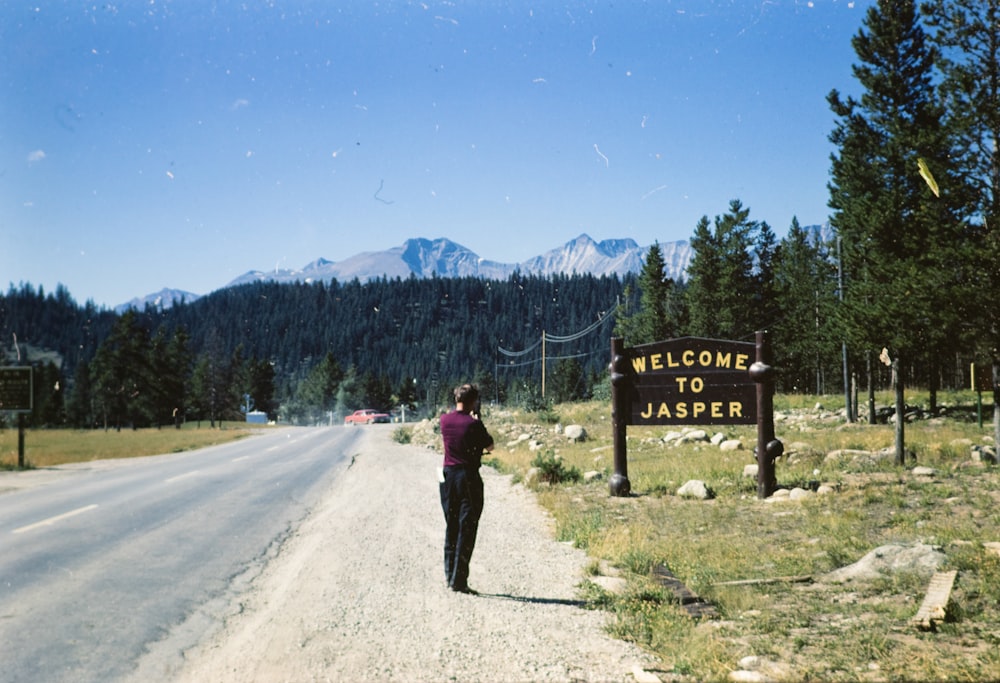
x=16, y=389
x=17, y=395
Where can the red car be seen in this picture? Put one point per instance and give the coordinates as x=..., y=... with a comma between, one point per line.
x=366, y=416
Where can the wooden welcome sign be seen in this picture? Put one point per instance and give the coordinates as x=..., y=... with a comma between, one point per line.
x=694, y=381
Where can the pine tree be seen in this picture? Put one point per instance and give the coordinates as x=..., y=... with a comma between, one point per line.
x=318, y=392
x=895, y=230
x=407, y=393
x=567, y=380
x=261, y=385
x=805, y=296
x=170, y=361
x=122, y=375
x=377, y=391
x=236, y=386
x=208, y=381
x=725, y=289
x=350, y=392
x=80, y=406
x=49, y=410
x=656, y=317
x=968, y=34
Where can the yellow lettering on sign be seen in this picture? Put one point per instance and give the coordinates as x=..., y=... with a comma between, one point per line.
x=683, y=409
x=662, y=411
x=695, y=384
x=691, y=358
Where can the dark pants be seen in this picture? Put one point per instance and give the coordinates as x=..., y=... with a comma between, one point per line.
x=462, y=503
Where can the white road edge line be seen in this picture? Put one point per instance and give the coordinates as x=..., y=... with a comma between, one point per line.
x=52, y=520
x=181, y=476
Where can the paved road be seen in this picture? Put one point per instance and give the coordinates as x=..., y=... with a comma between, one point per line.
x=99, y=562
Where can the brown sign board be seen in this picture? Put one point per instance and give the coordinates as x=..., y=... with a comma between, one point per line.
x=691, y=381
x=16, y=392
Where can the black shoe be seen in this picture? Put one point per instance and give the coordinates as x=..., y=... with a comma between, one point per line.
x=464, y=589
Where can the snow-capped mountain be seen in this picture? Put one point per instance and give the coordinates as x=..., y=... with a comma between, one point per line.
x=444, y=258
x=163, y=299
x=618, y=257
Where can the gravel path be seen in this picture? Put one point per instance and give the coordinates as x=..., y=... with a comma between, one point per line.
x=357, y=592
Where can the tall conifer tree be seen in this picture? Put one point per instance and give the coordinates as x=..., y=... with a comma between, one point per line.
x=729, y=275
x=657, y=317
x=895, y=230
x=804, y=296
x=968, y=33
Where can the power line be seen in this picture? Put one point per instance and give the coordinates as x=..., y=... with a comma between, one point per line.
x=555, y=339
x=515, y=354
x=549, y=338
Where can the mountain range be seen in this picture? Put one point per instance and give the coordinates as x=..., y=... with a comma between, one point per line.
x=442, y=257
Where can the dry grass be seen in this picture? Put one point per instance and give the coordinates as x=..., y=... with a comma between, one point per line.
x=48, y=447
x=814, y=631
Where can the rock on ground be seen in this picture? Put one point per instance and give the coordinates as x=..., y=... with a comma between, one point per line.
x=887, y=559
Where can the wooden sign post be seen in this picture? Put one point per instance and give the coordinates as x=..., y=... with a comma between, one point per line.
x=980, y=381
x=693, y=381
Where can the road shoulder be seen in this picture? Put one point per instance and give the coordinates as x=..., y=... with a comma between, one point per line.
x=357, y=592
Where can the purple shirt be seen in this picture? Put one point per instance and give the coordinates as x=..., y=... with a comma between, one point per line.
x=465, y=438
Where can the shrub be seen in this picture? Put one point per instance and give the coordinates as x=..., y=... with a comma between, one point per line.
x=548, y=416
x=402, y=435
x=552, y=469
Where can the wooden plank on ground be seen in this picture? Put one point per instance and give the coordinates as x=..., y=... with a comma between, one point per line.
x=689, y=601
x=767, y=581
x=934, y=609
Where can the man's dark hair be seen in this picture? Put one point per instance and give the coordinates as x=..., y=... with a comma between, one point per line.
x=467, y=395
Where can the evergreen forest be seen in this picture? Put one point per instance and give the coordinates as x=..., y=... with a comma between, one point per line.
x=305, y=353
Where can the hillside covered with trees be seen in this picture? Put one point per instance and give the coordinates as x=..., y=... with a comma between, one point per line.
x=301, y=351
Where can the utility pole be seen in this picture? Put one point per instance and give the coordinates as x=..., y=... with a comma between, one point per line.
x=543, y=363
x=843, y=345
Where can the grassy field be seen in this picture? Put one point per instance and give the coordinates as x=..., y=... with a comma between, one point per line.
x=806, y=629
x=47, y=447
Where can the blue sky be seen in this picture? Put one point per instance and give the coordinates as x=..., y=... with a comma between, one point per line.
x=179, y=143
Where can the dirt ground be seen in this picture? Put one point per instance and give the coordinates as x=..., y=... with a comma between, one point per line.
x=357, y=593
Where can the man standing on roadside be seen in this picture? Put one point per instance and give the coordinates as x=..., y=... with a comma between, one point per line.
x=465, y=438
